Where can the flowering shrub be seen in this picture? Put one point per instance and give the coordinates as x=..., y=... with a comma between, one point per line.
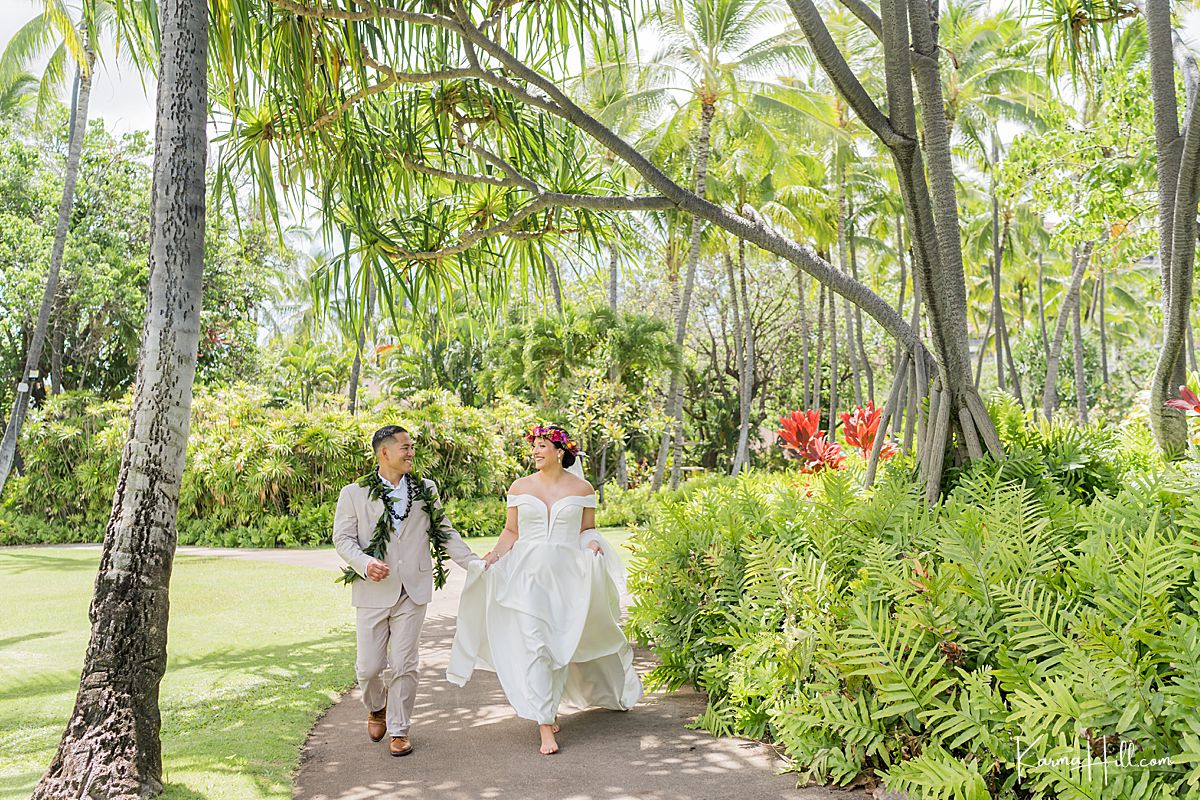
x=803, y=440
x=259, y=474
x=861, y=427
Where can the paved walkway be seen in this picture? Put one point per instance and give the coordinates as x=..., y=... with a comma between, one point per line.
x=469, y=744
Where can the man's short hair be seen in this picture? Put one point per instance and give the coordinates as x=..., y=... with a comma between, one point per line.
x=384, y=434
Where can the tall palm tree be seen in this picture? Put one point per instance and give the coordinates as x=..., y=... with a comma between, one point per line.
x=993, y=78
x=69, y=41
x=17, y=93
x=717, y=46
x=53, y=27
x=112, y=747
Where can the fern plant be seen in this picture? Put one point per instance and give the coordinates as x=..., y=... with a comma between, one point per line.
x=991, y=647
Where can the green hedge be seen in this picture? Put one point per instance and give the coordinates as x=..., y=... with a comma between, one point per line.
x=870, y=634
x=258, y=474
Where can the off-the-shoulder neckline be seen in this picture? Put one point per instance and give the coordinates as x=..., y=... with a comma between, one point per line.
x=550, y=508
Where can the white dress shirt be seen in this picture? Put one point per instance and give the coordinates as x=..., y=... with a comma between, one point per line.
x=399, y=494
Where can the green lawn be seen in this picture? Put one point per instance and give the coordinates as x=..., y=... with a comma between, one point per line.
x=257, y=651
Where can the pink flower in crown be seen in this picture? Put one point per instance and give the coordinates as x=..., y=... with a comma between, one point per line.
x=552, y=435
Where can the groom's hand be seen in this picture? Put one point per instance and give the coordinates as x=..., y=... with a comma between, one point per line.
x=377, y=570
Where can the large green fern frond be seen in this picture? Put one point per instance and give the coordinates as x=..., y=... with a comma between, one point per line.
x=937, y=775
x=903, y=664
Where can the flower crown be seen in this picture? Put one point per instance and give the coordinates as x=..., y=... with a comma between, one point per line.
x=556, y=435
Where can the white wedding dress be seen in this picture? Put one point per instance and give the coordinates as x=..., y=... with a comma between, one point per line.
x=545, y=617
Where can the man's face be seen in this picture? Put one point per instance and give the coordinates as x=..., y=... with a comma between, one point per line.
x=397, y=454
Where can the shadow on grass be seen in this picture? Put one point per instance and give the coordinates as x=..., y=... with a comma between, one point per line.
x=28, y=637
x=14, y=563
x=176, y=791
x=60, y=682
x=250, y=728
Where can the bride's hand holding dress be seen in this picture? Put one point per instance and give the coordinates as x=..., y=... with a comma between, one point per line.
x=544, y=614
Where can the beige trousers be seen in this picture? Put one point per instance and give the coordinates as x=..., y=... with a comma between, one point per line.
x=388, y=660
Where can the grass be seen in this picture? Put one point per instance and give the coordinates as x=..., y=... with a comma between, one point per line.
x=256, y=652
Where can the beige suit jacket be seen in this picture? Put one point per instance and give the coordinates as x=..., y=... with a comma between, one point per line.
x=407, y=553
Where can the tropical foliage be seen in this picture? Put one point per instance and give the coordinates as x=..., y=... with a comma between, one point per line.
x=258, y=474
x=958, y=651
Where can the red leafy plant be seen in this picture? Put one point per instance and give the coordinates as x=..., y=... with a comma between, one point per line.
x=1187, y=401
x=860, y=428
x=803, y=441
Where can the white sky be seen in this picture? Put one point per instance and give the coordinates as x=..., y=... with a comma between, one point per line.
x=119, y=97
x=117, y=93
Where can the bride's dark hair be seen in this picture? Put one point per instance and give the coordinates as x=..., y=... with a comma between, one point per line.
x=557, y=436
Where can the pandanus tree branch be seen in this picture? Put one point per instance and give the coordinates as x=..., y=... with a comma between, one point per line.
x=555, y=101
x=866, y=16
x=922, y=159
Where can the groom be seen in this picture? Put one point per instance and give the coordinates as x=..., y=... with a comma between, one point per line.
x=390, y=593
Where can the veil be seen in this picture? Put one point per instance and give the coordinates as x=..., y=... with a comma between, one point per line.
x=576, y=468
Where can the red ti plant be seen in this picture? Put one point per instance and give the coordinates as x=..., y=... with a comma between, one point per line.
x=804, y=441
x=1187, y=401
x=860, y=429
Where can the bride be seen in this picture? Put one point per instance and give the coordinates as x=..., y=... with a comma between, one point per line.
x=542, y=610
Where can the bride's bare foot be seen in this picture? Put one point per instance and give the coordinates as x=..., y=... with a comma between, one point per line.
x=549, y=745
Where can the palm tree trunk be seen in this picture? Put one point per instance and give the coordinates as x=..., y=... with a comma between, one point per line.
x=111, y=747
x=1103, y=332
x=1080, y=378
x=844, y=261
x=852, y=351
x=864, y=363
x=1191, y=346
x=918, y=382
x=924, y=168
x=818, y=378
x=672, y=441
x=903, y=277
x=356, y=367
x=805, y=340
x=997, y=263
x=619, y=446
x=987, y=332
x=1003, y=327
x=1021, y=305
x=834, y=373
x=1079, y=262
x=33, y=356
x=1042, y=307
x=57, y=341
x=613, y=275
x=739, y=354
x=554, y=278
x=746, y=393
x=1012, y=367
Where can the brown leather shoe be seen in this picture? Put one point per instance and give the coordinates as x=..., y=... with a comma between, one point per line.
x=400, y=746
x=377, y=724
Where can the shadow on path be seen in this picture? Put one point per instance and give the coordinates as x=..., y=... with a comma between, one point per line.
x=469, y=744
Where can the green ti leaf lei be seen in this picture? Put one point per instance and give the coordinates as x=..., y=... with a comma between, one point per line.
x=377, y=547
